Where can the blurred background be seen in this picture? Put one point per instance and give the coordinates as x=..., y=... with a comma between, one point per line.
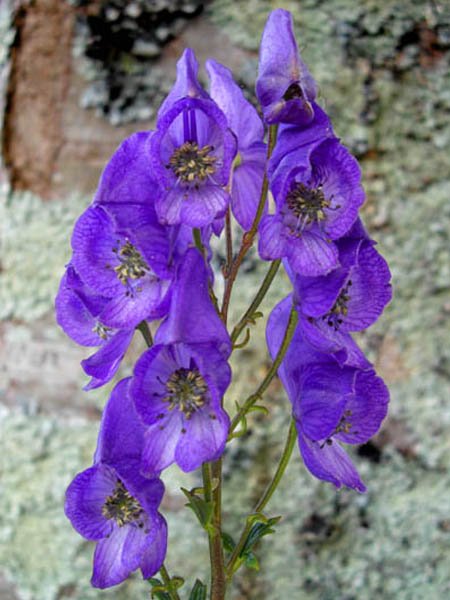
x=77, y=77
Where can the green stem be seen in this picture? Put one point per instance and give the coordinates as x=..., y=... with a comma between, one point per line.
x=267, y=282
x=168, y=583
x=249, y=236
x=235, y=559
x=251, y=400
x=146, y=333
x=213, y=494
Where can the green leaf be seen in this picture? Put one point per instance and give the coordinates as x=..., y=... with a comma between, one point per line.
x=261, y=526
x=259, y=408
x=198, y=591
x=177, y=582
x=251, y=561
x=228, y=542
x=159, y=590
x=203, y=510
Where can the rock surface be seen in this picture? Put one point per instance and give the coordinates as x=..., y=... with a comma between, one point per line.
x=384, y=75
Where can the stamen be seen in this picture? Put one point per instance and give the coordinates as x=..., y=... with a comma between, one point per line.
x=344, y=425
x=192, y=164
x=132, y=265
x=102, y=331
x=307, y=204
x=186, y=390
x=334, y=317
x=122, y=506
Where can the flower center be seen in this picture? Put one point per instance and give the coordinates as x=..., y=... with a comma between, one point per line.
x=340, y=309
x=102, y=331
x=293, y=91
x=344, y=424
x=307, y=204
x=192, y=164
x=186, y=390
x=132, y=265
x=122, y=506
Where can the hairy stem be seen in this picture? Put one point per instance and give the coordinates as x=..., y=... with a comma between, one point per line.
x=212, y=474
x=235, y=559
x=267, y=282
x=249, y=236
x=253, y=398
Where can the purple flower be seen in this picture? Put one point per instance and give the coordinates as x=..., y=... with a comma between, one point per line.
x=177, y=390
x=337, y=405
x=178, y=384
x=191, y=153
x=112, y=504
x=129, y=268
x=128, y=189
x=192, y=318
x=285, y=87
x=317, y=202
x=330, y=403
x=244, y=122
x=350, y=298
x=77, y=312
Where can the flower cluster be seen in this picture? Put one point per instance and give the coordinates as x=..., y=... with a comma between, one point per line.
x=340, y=281
x=141, y=255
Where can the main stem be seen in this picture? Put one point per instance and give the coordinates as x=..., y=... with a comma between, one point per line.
x=235, y=558
x=212, y=485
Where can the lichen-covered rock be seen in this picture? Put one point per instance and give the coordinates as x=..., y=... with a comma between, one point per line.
x=383, y=69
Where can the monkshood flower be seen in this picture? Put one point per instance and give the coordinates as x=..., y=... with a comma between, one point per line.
x=112, y=504
x=330, y=403
x=191, y=152
x=244, y=122
x=127, y=189
x=129, y=267
x=317, y=201
x=285, y=88
x=77, y=311
x=179, y=383
x=348, y=299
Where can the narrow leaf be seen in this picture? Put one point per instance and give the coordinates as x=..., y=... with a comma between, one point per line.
x=198, y=591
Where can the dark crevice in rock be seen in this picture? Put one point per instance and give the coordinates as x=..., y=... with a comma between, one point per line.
x=121, y=42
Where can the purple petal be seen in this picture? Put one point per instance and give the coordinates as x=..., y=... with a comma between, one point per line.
x=282, y=70
x=340, y=176
x=291, y=138
x=85, y=498
x=370, y=290
x=368, y=407
x=328, y=340
x=317, y=295
x=201, y=207
x=247, y=182
x=103, y=365
x=192, y=318
x=110, y=568
x=128, y=308
x=312, y=255
x=329, y=462
x=121, y=433
x=204, y=439
x=154, y=556
x=322, y=398
x=161, y=440
x=242, y=117
x=272, y=239
x=186, y=83
x=74, y=316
